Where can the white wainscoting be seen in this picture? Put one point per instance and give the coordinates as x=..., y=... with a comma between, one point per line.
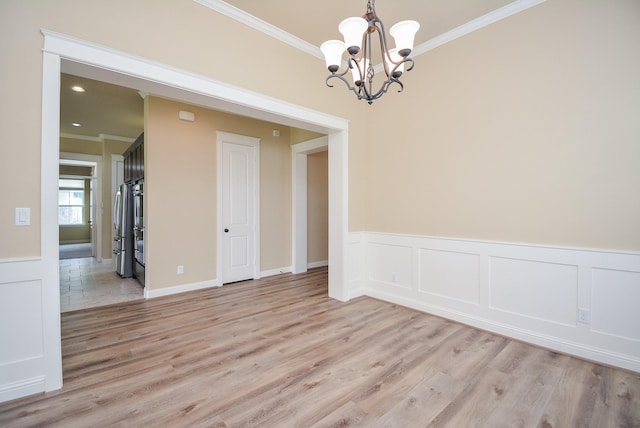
x=22, y=365
x=576, y=301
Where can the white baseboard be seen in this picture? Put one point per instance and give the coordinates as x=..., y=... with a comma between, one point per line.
x=22, y=388
x=149, y=294
x=549, y=342
x=278, y=271
x=313, y=265
x=575, y=301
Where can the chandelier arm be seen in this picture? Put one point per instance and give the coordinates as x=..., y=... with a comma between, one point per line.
x=408, y=60
x=356, y=90
x=385, y=87
x=346, y=82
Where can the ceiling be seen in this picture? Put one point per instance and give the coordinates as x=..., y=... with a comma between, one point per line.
x=317, y=21
x=102, y=109
x=117, y=111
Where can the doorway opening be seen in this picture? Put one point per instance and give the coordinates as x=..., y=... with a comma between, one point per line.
x=62, y=53
x=300, y=219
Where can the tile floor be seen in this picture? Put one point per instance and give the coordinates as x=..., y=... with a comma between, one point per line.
x=85, y=283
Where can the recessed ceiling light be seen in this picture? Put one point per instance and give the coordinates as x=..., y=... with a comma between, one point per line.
x=77, y=88
x=76, y=124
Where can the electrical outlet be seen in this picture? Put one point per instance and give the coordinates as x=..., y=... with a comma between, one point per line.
x=394, y=277
x=584, y=316
x=180, y=269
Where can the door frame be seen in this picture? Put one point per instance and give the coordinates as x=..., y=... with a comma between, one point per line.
x=62, y=53
x=226, y=137
x=299, y=232
x=95, y=162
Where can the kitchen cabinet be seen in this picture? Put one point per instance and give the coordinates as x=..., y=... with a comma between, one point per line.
x=134, y=161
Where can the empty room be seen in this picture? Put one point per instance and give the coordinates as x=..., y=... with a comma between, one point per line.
x=363, y=213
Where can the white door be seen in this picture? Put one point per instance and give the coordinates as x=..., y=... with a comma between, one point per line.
x=239, y=209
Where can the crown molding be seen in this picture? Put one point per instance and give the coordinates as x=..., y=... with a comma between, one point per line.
x=98, y=139
x=476, y=24
x=81, y=137
x=260, y=25
x=116, y=138
x=277, y=33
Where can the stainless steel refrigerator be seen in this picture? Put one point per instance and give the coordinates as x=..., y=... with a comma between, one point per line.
x=138, y=231
x=123, y=224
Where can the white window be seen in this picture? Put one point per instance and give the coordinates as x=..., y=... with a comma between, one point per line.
x=71, y=202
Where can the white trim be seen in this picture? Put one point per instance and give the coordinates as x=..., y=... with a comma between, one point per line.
x=116, y=138
x=299, y=225
x=95, y=161
x=22, y=388
x=262, y=26
x=273, y=272
x=316, y=145
x=102, y=63
x=226, y=137
x=271, y=30
x=313, y=265
x=183, y=288
x=475, y=24
x=338, y=215
x=50, y=275
x=98, y=139
x=299, y=212
x=80, y=137
x=86, y=59
x=546, y=341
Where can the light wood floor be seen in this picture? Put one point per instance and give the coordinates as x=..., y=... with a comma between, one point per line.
x=279, y=353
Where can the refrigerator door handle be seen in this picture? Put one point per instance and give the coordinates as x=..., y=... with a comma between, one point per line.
x=116, y=211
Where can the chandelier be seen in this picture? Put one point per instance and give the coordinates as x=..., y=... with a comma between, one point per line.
x=358, y=36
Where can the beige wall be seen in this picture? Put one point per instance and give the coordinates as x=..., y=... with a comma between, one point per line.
x=200, y=47
x=525, y=131
x=180, y=191
x=317, y=207
x=301, y=135
x=87, y=147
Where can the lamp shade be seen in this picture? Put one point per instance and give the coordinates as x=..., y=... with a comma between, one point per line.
x=404, y=32
x=332, y=50
x=352, y=30
x=392, y=60
x=359, y=69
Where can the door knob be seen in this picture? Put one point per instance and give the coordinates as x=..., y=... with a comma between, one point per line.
x=226, y=230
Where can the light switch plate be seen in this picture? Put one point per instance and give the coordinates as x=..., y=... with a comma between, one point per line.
x=23, y=216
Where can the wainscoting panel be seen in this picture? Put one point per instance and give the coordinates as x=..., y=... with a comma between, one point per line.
x=616, y=303
x=542, y=290
x=393, y=265
x=576, y=301
x=22, y=365
x=451, y=275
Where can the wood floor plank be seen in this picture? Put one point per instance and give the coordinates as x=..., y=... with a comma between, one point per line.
x=279, y=352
